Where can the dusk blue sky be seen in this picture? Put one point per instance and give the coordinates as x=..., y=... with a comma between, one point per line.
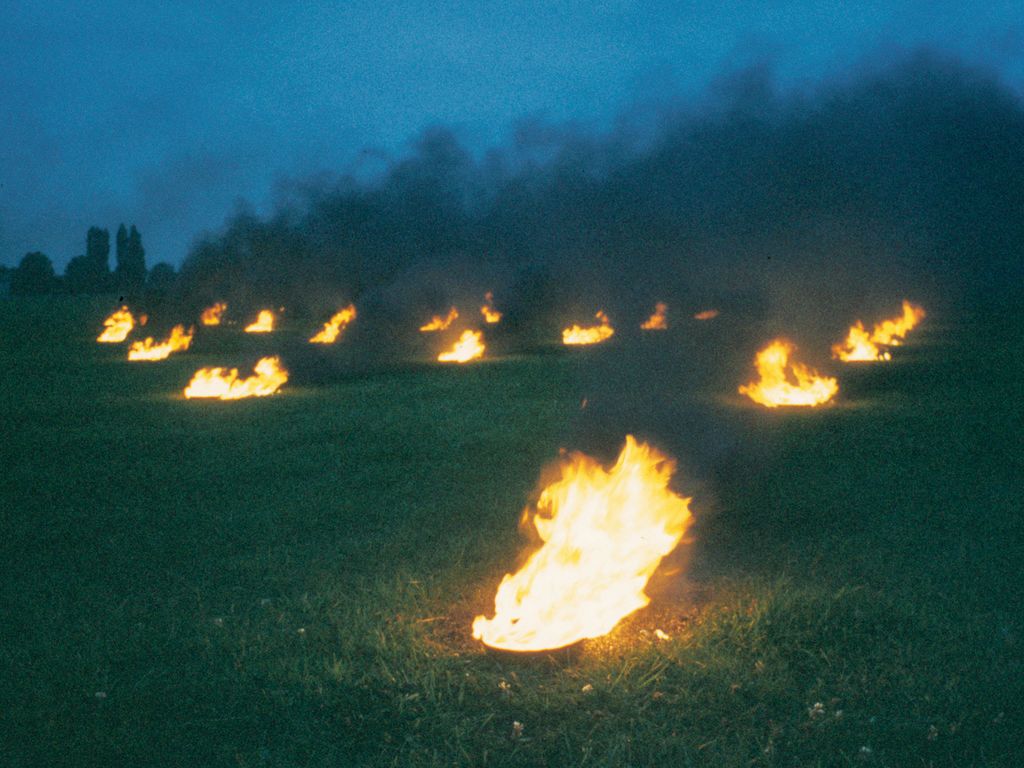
x=166, y=114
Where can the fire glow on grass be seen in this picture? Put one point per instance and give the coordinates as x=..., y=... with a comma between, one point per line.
x=707, y=314
x=212, y=315
x=333, y=327
x=438, y=323
x=149, y=350
x=861, y=346
x=224, y=384
x=470, y=346
x=781, y=382
x=491, y=315
x=264, y=323
x=603, y=533
x=118, y=326
x=593, y=334
x=658, y=320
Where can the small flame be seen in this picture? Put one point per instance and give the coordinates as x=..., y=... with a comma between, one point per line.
x=438, y=323
x=264, y=323
x=224, y=384
x=594, y=334
x=333, y=327
x=212, y=315
x=776, y=384
x=657, y=321
x=470, y=346
x=118, y=326
x=861, y=346
x=603, y=533
x=491, y=315
x=149, y=350
x=707, y=314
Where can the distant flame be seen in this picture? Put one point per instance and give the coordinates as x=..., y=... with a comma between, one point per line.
x=491, y=315
x=212, y=315
x=470, y=346
x=438, y=323
x=178, y=341
x=224, y=384
x=603, y=533
x=707, y=314
x=118, y=326
x=264, y=323
x=657, y=321
x=333, y=327
x=594, y=334
x=799, y=385
x=861, y=346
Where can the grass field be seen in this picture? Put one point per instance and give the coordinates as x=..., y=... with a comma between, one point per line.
x=290, y=581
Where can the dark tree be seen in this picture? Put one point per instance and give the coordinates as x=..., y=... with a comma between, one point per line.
x=34, y=276
x=91, y=273
x=161, y=278
x=131, y=260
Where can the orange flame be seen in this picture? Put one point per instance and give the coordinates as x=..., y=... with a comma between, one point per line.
x=861, y=346
x=603, y=534
x=438, y=323
x=657, y=321
x=150, y=350
x=775, y=386
x=707, y=314
x=224, y=384
x=118, y=326
x=333, y=327
x=212, y=315
x=264, y=323
x=470, y=346
x=594, y=334
x=491, y=315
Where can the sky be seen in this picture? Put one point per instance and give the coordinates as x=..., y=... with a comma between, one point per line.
x=171, y=115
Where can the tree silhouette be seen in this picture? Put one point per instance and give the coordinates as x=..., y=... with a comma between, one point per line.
x=161, y=278
x=131, y=260
x=91, y=273
x=34, y=276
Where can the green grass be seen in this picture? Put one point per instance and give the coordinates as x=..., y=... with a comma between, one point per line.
x=290, y=581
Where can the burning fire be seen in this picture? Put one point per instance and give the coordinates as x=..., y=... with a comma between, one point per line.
x=862, y=346
x=470, y=346
x=333, y=327
x=212, y=315
x=594, y=334
x=603, y=533
x=491, y=315
x=707, y=314
x=118, y=326
x=776, y=385
x=149, y=350
x=438, y=323
x=264, y=323
x=657, y=321
x=225, y=384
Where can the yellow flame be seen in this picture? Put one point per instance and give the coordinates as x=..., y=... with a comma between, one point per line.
x=491, y=315
x=603, y=534
x=438, y=323
x=117, y=327
x=861, y=346
x=799, y=385
x=657, y=321
x=594, y=334
x=149, y=350
x=707, y=314
x=333, y=327
x=212, y=315
x=224, y=384
x=264, y=323
x=470, y=346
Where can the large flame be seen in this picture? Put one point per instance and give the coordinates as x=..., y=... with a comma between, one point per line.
x=117, y=327
x=491, y=315
x=706, y=314
x=470, y=346
x=603, y=534
x=593, y=334
x=333, y=327
x=212, y=315
x=657, y=321
x=438, y=323
x=264, y=323
x=784, y=383
x=861, y=346
x=225, y=384
x=178, y=341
